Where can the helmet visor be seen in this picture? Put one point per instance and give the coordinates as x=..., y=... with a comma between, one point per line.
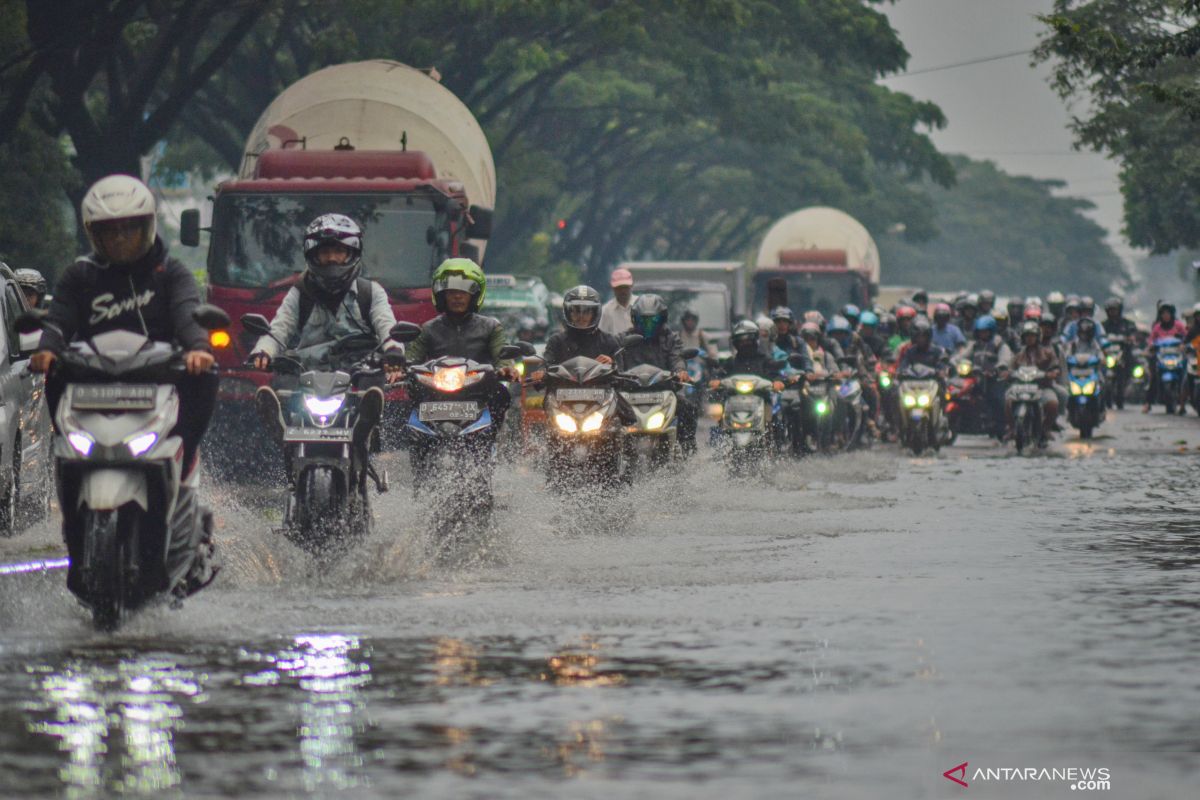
x=581, y=314
x=456, y=282
x=122, y=241
x=648, y=326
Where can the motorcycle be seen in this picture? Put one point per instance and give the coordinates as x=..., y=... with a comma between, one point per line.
x=1116, y=376
x=967, y=409
x=1025, y=398
x=1085, y=410
x=749, y=429
x=319, y=387
x=820, y=400
x=451, y=432
x=850, y=411
x=135, y=533
x=1139, y=375
x=584, y=432
x=1193, y=374
x=653, y=437
x=922, y=424
x=889, y=397
x=1168, y=356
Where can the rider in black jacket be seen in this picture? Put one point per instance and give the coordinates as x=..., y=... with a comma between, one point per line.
x=130, y=283
x=662, y=348
x=581, y=335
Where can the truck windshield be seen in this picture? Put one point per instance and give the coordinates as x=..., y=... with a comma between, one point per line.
x=824, y=292
x=710, y=305
x=256, y=238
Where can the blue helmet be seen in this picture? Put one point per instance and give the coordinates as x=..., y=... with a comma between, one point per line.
x=868, y=318
x=839, y=324
x=851, y=312
x=985, y=323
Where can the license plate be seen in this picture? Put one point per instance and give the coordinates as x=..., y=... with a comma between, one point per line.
x=455, y=411
x=581, y=395
x=113, y=397
x=317, y=435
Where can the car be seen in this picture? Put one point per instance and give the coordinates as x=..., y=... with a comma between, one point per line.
x=26, y=454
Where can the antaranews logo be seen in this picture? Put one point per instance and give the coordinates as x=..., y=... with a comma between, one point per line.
x=1083, y=779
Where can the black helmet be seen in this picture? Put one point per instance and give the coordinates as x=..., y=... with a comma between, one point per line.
x=922, y=329
x=1030, y=326
x=1114, y=304
x=920, y=296
x=1166, y=307
x=576, y=305
x=31, y=279
x=988, y=296
x=744, y=334
x=1048, y=319
x=689, y=314
x=649, y=314
x=333, y=229
x=782, y=312
x=1086, y=328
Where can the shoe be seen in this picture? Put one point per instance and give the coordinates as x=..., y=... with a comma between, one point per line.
x=271, y=413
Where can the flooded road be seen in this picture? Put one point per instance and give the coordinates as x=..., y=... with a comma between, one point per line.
x=855, y=630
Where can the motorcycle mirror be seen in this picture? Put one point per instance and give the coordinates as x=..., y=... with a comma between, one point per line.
x=510, y=351
x=405, y=331
x=210, y=317
x=31, y=321
x=691, y=353
x=796, y=360
x=256, y=323
x=632, y=340
x=527, y=348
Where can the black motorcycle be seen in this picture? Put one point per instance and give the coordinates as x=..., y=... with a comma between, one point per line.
x=328, y=504
x=134, y=533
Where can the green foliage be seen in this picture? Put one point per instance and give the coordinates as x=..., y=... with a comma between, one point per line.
x=1134, y=64
x=35, y=220
x=1007, y=233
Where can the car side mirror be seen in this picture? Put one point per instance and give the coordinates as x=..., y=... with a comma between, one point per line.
x=189, y=227
x=210, y=317
x=405, y=332
x=480, y=226
x=30, y=321
x=691, y=353
x=256, y=324
x=632, y=340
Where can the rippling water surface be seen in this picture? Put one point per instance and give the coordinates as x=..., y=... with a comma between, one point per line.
x=852, y=630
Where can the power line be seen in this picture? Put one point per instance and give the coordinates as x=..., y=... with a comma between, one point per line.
x=956, y=65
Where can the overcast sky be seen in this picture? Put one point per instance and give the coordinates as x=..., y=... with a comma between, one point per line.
x=1002, y=110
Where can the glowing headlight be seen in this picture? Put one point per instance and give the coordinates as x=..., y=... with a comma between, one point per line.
x=140, y=444
x=1075, y=389
x=1170, y=363
x=81, y=442
x=1089, y=387
x=885, y=380
x=655, y=421
x=593, y=422
x=450, y=380
x=566, y=423
x=323, y=406
x=521, y=368
x=964, y=368
x=744, y=387
x=909, y=400
x=923, y=400
x=1110, y=362
x=822, y=406
x=1139, y=371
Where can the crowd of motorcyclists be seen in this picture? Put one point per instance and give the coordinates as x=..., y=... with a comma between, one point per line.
x=793, y=381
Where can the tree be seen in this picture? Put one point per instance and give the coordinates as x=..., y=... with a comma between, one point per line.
x=34, y=218
x=1007, y=233
x=1134, y=64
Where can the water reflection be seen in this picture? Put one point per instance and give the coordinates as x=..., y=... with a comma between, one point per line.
x=326, y=669
x=116, y=724
x=580, y=667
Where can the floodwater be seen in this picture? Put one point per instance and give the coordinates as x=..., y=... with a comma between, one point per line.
x=853, y=630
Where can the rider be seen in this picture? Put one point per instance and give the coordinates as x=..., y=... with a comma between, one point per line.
x=129, y=282
x=748, y=358
x=946, y=334
x=868, y=325
x=33, y=286
x=581, y=335
x=922, y=350
x=459, y=330
x=690, y=334
x=920, y=301
x=1056, y=303
x=1034, y=353
x=527, y=330
x=660, y=347
x=989, y=352
x=987, y=302
x=968, y=312
x=330, y=302
x=904, y=322
x=1166, y=326
x=786, y=339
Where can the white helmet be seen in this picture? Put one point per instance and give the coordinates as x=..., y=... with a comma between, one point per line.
x=119, y=197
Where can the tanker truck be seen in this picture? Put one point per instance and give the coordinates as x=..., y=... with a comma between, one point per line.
x=379, y=141
x=816, y=258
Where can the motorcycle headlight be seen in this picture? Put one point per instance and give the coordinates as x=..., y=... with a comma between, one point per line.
x=81, y=442
x=450, y=379
x=1089, y=387
x=923, y=400
x=323, y=406
x=1111, y=362
x=593, y=422
x=744, y=387
x=885, y=380
x=655, y=421
x=910, y=400
x=964, y=368
x=1139, y=371
x=822, y=406
x=141, y=443
x=566, y=423
x=1076, y=389
x=1170, y=363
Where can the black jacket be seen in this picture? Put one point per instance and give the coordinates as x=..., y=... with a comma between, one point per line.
x=664, y=351
x=154, y=296
x=472, y=336
x=569, y=343
x=754, y=364
x=933, y=356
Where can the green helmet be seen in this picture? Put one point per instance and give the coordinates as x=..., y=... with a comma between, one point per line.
x=459, y=273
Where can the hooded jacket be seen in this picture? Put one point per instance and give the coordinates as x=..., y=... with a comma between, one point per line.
x=155, y=296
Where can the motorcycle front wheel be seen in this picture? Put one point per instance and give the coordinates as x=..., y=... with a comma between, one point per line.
x=110, y=564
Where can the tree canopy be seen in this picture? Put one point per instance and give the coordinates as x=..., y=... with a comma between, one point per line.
x=1007, y=233
x=1132, y=67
